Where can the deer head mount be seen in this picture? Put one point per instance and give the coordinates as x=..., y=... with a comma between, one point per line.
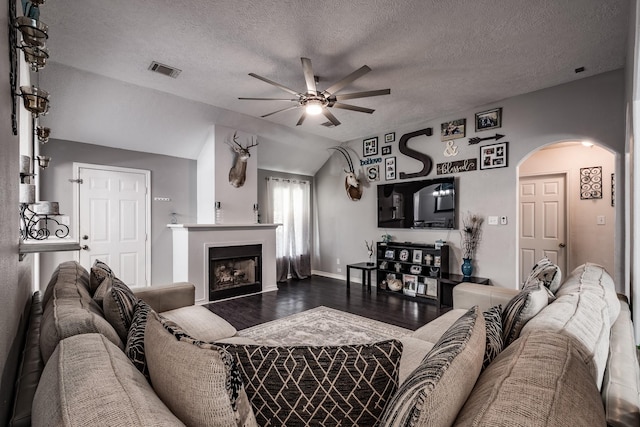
x=351, y=182
x=238, y=172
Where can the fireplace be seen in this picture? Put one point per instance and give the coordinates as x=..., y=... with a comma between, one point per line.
x=234, y=271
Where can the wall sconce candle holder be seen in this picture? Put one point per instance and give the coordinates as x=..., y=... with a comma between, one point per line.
x=34, y=32
x=35, y=56
x=40, y=226
x=43, y=134
x=35, y=100
x=43, y=161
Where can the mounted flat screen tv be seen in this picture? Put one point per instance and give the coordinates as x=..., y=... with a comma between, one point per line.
x=425, y=204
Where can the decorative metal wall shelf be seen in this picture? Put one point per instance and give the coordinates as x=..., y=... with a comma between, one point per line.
x=37, y=226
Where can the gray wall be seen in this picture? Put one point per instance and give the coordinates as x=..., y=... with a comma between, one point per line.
x=170, y=177
x=588, y=108
x=15, y=287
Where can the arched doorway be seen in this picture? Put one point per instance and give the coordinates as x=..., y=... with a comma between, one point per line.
x=566, y=207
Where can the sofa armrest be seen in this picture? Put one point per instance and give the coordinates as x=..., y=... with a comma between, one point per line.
x=168, y=297
x=466, y=295
x=621, y=384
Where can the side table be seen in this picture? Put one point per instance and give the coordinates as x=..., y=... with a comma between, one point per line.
x=366, y=278
x=449, y=281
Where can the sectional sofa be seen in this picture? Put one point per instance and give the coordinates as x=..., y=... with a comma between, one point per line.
x=557, y=355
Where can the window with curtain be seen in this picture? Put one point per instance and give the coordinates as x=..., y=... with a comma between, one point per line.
x=288, y=203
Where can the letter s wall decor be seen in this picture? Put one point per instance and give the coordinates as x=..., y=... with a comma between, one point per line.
x=427, y=163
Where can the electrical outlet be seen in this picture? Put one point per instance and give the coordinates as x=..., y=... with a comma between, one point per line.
x=600, y=220
x=339, y=270
x=503, y=220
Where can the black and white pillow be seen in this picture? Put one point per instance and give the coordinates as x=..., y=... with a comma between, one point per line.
x=134, y=348
x=493, y=322
x=118, y=306
x=435, y=391
x=522, y=308
x=547, y=272
x=99, y=272
x=323, y=385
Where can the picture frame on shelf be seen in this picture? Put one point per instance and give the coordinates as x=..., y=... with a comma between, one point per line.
x=453, y=130
x=389, y=137
x=489, y=119
x=390, y=168
x=421, y=289
x=436, y=261
x=370, y=147
x=494, y=156
x=404, y=255
x=415, y=269
x=431, y=286
x=417, y=256
x=410, y=284
x=386, y=150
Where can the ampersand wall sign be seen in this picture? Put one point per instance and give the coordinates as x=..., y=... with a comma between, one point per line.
x=427, y=163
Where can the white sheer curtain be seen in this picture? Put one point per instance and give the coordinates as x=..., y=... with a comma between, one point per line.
x=288, y=203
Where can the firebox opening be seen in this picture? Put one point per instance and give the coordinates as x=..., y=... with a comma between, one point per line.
x=234, y=271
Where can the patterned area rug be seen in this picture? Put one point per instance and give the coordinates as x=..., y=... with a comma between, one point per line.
x=323, y=326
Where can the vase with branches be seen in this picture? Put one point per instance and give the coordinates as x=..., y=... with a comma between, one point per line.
x=470, y=236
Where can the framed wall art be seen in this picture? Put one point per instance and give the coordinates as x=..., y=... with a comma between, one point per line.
x=373, y=173
x=370, y=147
x=386, y=150
x=490, y=119
x=494, y=156
x=390, y=137
x=453, y=130
x=591, y=183
x=390, y=168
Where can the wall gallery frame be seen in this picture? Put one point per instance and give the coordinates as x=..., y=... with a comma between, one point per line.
x=453, y=130
x=390, y=137
x=373, y=173
x=591, y=183
x=370, y=147
x=494, y=156
x=386, y=150
x=390, y=168
x=490, y=119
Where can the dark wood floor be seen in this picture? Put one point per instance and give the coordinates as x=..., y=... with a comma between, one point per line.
x=295, y=296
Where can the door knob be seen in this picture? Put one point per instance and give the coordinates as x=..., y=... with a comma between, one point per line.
x=562, y=245
x=85, y=237
x=85, y=248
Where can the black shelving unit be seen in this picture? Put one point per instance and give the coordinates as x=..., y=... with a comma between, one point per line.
x=420, y=267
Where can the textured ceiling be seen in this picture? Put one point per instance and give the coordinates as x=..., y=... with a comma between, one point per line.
x=438, y=57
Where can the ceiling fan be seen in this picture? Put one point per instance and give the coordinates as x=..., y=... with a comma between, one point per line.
x=316, y=102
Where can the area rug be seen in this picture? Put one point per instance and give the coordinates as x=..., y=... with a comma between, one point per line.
x=322, y=326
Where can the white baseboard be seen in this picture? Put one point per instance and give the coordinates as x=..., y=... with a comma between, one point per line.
x=340, y=277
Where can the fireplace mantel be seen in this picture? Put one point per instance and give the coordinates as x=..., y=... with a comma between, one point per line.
x=191, y=243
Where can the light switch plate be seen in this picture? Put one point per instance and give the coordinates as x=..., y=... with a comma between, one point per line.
x=492, y=220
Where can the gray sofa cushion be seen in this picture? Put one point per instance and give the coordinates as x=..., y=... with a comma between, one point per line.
x=539, y=380
x=323, y=385
x=434, y=393
x=198, y=381
x=70, y=310
x=200, y=323
x=99, y=271
x=89, y=381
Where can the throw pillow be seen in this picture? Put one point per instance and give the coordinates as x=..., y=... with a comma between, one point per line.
x=437, y=389
x=198, y=381
x=323, y=385
x=494, y=344
x=135, y=338
x=547, y=272
x=118, y=306
x=522, y=308
x=102, y=290
x=99, y=272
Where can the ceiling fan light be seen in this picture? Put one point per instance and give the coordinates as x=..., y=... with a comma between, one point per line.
x=313, y=108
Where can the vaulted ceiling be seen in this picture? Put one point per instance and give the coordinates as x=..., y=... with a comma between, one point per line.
x=438, y=58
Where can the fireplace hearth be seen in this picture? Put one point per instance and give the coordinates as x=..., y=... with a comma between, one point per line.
x=234, y=271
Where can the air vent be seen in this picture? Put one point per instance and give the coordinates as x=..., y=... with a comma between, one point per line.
x=166, y=70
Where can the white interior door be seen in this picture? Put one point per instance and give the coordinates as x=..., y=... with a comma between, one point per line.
x=542, y=221
x=113, y=216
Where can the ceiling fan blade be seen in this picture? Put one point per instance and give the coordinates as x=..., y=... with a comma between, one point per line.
x=308, y=76
x=278, y=85
x=284, y=109
x=362, y=94
x=302, y=117
x=345, y=81
x=269, y=99
x=330, y=116
x=352, y=107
